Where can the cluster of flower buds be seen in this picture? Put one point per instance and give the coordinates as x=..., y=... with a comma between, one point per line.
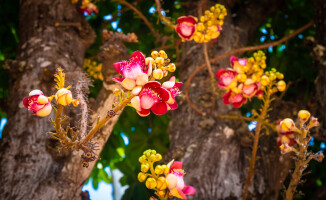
x=292, y=135
x=86, y=7
x=139, y=75
x=207, y=29
x=166, y=180
x=41, y=105
x=247, y=79
x=93, y=68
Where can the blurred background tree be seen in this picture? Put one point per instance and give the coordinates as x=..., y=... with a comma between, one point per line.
x=215, y=163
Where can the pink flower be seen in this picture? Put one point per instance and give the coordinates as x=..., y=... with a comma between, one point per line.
x=238, y=64
x=176, y=183
x=284, y=136
x=38, y=103
x=152, y=97
x=250, y=88
x=234, y=98
x=186, y=27
x=173, y=87
x=226, y=76
x=134, y=72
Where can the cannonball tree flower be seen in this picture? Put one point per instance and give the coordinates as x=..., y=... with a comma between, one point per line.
x=250, y=88
x=135, y=72
x=225, y=76
x=63, y=97
x=38, y=103
x=174, y=90
x=175, y=182
x=236, y=99
x=152, y=97
x=238, y=64
x=186, y=27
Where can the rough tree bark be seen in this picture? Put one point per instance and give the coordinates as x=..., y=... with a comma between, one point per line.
x=214, y=151
x=30, y=166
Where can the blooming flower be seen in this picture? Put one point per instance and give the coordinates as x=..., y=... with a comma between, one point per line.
x=176, y=183
x=152, y=97
x=226, y=76
x=235, y=99
x=134, y=72
x=38, y=103
x=186, y=27
x=238, y=64
x=173, y=87
x=250, y=88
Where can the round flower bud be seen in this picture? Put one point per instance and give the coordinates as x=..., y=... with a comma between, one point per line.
x=63, y=96
x=161, y=193
x=142, y=177
x=150, y=183
x=154, y=54
x=287, y=124
x=241, y=77
x=152, y=158
x=304, y=115
x=159, y=170
x=142, y=159
x=159, y=61
x=166, y=169
x=272, y=77
x=161, y=183
x=42, y=99
x=281, y=86
x=153, y=152
x=264, y=80
x=158, y=74
x=147, y=153
x=162, y=54
x=158, y=157
x=279, y=75
x=144, y=167
x=171, y=67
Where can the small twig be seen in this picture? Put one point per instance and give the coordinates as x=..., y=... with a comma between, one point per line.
x=140, y=14
x=73, y=24
x=162, y=17
x=232, y=52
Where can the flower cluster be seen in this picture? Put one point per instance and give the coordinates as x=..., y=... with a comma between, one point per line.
x=93, y=68
x=247, y=79
x=207, y=29
x=41, y=104
x=294, y=135
x=166, y=180
x=139, y=75
x=86, y=7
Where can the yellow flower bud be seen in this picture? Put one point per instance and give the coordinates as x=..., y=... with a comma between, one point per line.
x=241, y=77
x=279, y=75
x=154, y=54
x=162, y=54
x=159, y=61
x=287, y=124
x=158, y=74
x=142, y=177
x=207, y=12
x=142, y=159
x=152, y=158
x=159, y=170
x=63, y=96
x=144, y=167
x=263, y=66
x=264, y=80
x=158, y=157
x=147, y=153
x=150, y=183
x=153, y=152
x=304, y=115
x=161, y=183
x=202, y=18
x=171, y=67
x=272, y=77
x=281, y=86
x=161, y=193
x=166, y=169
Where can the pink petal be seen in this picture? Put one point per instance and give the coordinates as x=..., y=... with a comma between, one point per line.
x=117, y=66
x=178, y=84
x=119, y=80
x=189, y=190
x=25, y=102
x=159, y=108
x=176, y=165
x=164, y=93
x=143, y=112
x=152, y=84
x=140, y=56
x=219, y=73
x=147, y=101
x=185, y=31
x=187, y=19
x=226, y=97
x=233, y=59
x=243, y=61
x=173, y=106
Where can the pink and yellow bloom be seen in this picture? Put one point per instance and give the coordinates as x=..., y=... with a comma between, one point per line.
x=175, y=182
x=225, y=76
x=135, y=72
x=250, y=88
x=236, y=99
x=186, y=27
x=38, y=103
x=174, y=90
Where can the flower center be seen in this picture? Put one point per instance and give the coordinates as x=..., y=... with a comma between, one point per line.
x=175, y=92
x=148, y=98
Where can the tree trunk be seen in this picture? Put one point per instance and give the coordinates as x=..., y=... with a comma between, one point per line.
x=214, y=151
x=31, y=168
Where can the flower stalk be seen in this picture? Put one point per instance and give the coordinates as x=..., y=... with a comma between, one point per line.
x=262, y=117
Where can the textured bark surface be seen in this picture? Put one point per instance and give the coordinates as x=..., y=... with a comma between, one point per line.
x=214, y=151
x=30, y=167
x=319, y=55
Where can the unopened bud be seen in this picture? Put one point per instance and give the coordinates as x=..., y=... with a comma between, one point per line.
x=159, y=170
x=304, y=115
x=171, y=67
x=144, y=167
x=154, y=54
x=150, y=183
x=161, y=183
x=159, y=61
x=281, y=86
x=142, y=177
x=287, y=124
x=264, y=80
